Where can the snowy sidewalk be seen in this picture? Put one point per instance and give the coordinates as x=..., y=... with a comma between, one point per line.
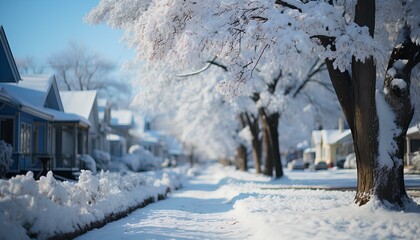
x=197, y=211
x=222, y=203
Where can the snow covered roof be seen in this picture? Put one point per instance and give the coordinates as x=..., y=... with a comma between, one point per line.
x=45, y=90
x=37, y=82
x=114, y=137
x=9, y=72
x=413, y=130
x=102, y=102
x=78, y=102
x=332, y=136
x=121, y=118
x=23, y=99
x=342, y=137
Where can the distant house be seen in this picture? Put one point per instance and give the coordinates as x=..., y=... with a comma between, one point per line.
x=84, y=103
x=332, y=145
x=412, y=145
x=158, y=142
x=121, y=122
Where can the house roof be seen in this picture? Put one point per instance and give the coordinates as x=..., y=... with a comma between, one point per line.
x=102, y=102
x=114, y=137
x=78, y=102
x=332, y=136
x=8, y=70
x=22, y=99
x=414, y=130
x=45, y=92
x=342, y=137
x=121, y=118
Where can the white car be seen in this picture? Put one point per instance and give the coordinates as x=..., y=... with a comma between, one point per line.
x=296, y=164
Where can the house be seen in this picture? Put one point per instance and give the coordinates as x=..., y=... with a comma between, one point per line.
x=40, y=126
x=121, y=122
x=332, y=145
x=85, y=104
x=412, y=145
x=33, y=121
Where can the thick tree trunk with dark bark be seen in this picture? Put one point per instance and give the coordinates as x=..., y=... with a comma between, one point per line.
x=379, y=159
x=365, y=128
x=271, y=147
x=405, y=56
x=241, y=158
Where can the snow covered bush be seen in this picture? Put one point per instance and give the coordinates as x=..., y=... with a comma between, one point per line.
x=141, y=159
x=48, y=207
x=415, y=161
x=102, y=159
x=5, y=157
x=88, y=162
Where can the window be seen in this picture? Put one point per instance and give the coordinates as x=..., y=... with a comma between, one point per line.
x=25, y=138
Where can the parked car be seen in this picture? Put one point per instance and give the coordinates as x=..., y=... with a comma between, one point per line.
x=321, y=166
x=296, y=164
x=340, y=163
x=350, y=161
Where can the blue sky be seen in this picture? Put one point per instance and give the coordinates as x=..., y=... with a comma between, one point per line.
x=41, y=28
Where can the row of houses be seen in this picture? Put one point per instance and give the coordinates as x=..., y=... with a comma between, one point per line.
x=58, y=127
x=334, y=145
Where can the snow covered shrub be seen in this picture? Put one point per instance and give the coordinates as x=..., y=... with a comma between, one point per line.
x=415, y=161
x=140, y=159
x=89, y=188
x=48, y=207
x=5, y=157
x=88, y=163
x=102, y=159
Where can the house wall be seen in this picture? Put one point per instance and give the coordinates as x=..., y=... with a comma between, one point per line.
x=28, y=137
x=318, y=153
x=412, y=146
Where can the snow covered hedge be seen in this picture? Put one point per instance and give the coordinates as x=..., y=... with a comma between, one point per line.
x=47, y=207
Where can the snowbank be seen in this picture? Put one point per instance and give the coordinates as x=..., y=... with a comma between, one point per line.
x=47, y=207
x=221, y=203
x=284, y=209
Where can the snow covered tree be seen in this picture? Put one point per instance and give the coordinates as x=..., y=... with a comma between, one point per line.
x=353, y=36
x=190, y=109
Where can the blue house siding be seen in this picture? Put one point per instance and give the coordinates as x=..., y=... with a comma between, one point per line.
x=28, y=137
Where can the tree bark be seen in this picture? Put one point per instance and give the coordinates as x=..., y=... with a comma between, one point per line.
x=396, y=91
x=254, y=127
x=379, y=172
x=271, y=146
x=241, y=158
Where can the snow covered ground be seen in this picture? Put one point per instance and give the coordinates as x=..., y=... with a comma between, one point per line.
x=221, y=203
x=48, y=207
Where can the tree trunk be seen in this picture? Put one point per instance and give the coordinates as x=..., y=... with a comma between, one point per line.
x=396, y=93
x=271, y=146
x=241, y=158
x=379, y=157
x=254, y=127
